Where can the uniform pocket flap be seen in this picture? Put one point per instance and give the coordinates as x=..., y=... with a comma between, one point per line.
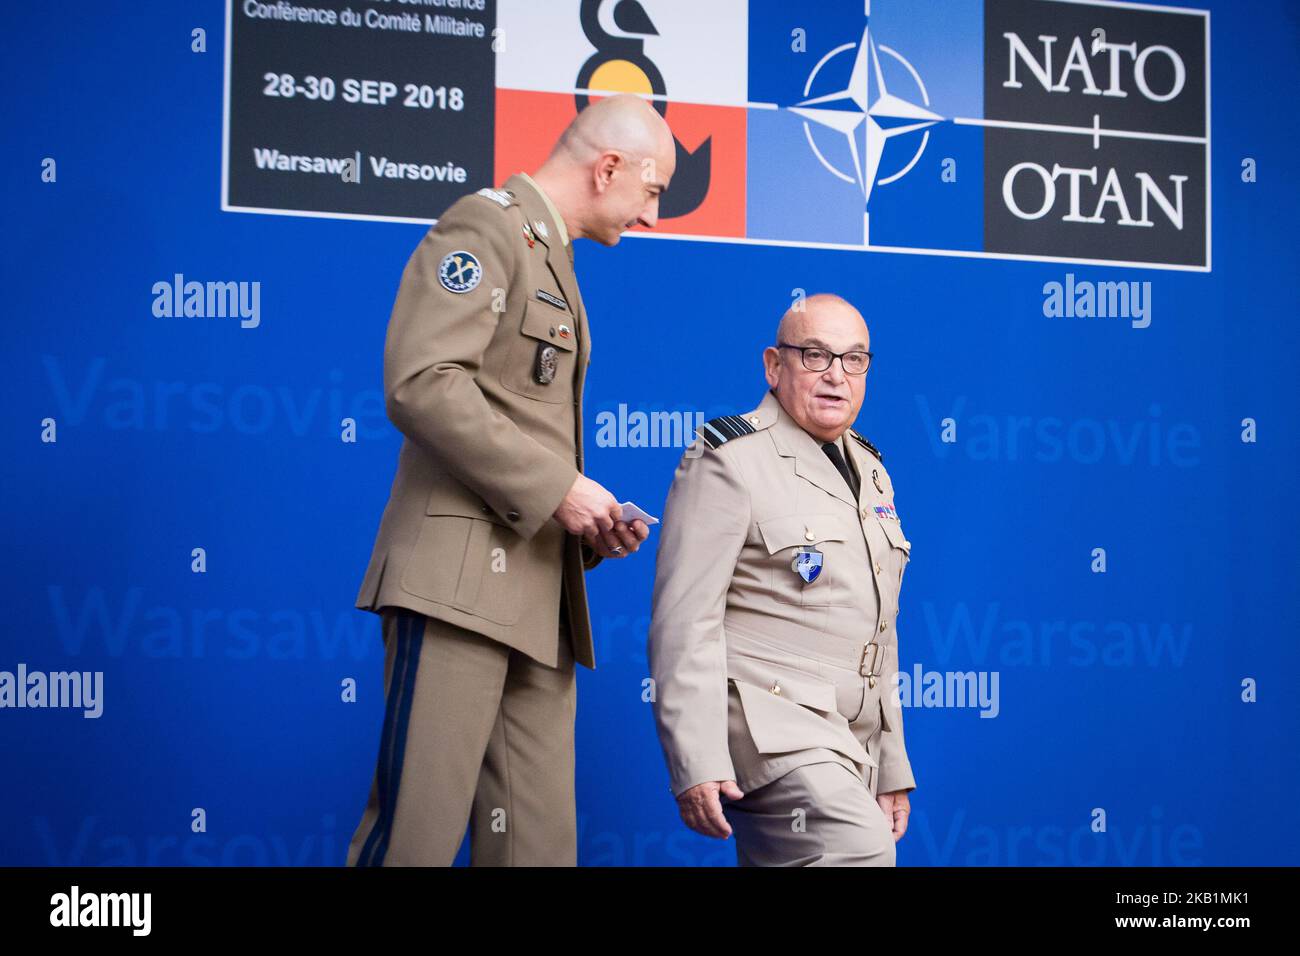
x=545, y=322
x=791, y=531
x=779, y=726
x=789, y=682
x=450, y=497
x=894, y=532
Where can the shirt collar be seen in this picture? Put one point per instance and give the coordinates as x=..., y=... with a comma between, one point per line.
x=550, y=207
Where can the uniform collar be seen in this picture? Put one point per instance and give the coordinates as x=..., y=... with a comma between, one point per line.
x=770, y=412
x=791, y=441
x=536, y=208
x=550, y=208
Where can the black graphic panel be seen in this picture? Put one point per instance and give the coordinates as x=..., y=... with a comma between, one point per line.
x=404, y=91
x=1094, y=114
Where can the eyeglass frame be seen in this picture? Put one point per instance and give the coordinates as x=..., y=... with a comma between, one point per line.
x=802, y=349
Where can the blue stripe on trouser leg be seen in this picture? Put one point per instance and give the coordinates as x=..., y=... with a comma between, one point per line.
x=397, y=716
x=366, y=857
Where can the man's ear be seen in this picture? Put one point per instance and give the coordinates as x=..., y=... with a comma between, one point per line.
x=772, y=365
x=604, y=170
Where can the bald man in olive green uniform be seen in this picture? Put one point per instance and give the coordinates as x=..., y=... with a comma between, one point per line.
x=477, y=568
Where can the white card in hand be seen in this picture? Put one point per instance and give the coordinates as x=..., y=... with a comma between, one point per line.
x=631, y=512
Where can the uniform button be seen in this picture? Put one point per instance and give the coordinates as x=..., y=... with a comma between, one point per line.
x=877, y=567
x=486, y=510
x=883, y=625
x=776, y=689
x=808, y=535
x=514, y=516
x=753, y=420
x=864, y=512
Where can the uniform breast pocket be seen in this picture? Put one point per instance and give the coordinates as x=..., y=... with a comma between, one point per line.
x=894, y=532
x=808, y=559
x=541, y=361
x=900, y=548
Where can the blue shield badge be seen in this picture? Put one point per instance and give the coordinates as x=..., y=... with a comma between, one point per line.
x=807, y=563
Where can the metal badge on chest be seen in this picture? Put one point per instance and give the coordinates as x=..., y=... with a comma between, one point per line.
x=808, y=563
x=546, y=362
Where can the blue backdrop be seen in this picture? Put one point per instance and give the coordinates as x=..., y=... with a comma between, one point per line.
x=1157, y=692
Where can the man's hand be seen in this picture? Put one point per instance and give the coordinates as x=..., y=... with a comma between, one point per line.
x=623, y=540
x=588, y=510
x=897, y=809
x=591, y=512
x=701, y=809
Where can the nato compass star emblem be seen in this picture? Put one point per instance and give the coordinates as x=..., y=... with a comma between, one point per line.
x=867, y=115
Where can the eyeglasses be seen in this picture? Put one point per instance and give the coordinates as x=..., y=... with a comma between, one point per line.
x=817, y=359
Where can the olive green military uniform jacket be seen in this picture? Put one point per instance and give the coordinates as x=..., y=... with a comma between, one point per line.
x=484, y=362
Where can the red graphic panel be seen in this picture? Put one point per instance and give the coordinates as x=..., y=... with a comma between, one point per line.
x=528, y=123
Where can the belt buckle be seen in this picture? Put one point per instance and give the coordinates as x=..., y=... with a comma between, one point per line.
x=870, y=672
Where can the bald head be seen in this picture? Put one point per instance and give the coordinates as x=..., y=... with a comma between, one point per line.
x=609, y=166
x=824, y=403
x=816, y=311
x=624, y=122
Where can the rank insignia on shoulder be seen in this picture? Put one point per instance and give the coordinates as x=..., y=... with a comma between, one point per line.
x=868, y=446
x=719, y=431
x=499, y=196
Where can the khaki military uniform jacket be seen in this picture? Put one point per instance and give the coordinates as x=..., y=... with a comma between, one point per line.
x=739, y=644
x=484, y=362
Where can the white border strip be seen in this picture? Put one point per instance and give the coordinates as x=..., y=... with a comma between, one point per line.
x=225, y=111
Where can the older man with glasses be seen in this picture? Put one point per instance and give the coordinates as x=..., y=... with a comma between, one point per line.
x=772, y=643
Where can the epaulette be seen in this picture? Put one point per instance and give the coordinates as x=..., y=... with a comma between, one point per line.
x=868, y=446
x=719, y=431
x=502, y=197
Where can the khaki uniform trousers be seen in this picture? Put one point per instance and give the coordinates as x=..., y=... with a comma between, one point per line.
x=838, y=822
x=473, y=731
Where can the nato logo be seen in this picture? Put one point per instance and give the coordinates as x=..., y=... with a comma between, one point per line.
x=1056, y=130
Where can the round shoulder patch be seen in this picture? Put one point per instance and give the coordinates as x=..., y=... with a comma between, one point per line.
x=459, y=271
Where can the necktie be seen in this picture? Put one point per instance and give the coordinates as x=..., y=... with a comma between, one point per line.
x=832, y=450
